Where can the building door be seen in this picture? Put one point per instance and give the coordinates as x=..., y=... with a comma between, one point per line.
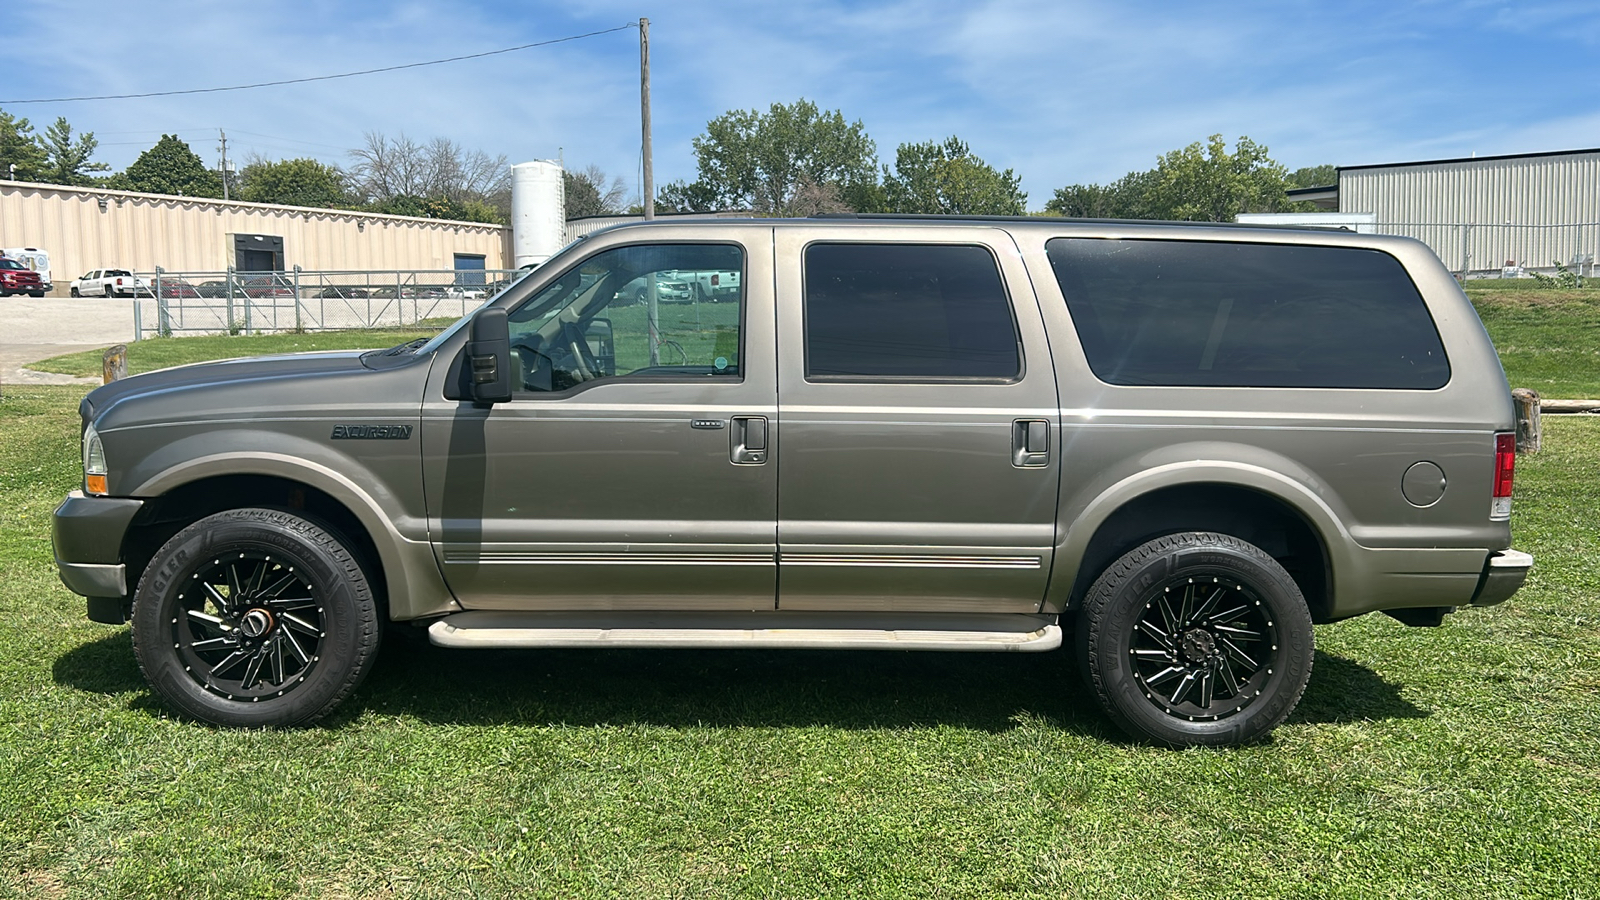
x=469, y=268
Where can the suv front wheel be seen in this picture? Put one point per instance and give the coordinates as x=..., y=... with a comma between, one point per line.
x=1196, y=639
x=254, y=617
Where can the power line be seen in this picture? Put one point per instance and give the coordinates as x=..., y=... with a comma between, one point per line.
x=243, y=87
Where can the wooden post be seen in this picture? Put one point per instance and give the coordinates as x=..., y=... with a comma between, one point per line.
x=114, y=365
x=1527, y=406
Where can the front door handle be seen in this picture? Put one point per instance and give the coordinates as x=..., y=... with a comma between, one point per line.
x=748, y=440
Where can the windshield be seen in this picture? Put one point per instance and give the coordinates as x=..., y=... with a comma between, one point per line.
x=6, y=263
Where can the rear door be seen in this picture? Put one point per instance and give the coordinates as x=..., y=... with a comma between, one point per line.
x=920, y=459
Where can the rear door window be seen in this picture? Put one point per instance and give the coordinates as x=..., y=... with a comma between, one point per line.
x=1207, y=313
x=908, y=312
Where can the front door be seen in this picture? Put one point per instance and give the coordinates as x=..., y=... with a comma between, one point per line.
x=630, y=470
x=921, y=460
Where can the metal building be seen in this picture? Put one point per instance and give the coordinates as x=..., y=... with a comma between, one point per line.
x=90, y=228
x=1478, y=214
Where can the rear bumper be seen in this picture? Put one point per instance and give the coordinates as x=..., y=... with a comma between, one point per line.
x=1503, y=575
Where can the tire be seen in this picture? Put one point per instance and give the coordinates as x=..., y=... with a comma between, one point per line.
x=37, y=294
x=255, y=618
x=75, y=293
x=109, y=292
x=1209, y=618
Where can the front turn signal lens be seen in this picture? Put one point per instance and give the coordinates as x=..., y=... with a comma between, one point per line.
x=94, y=463
x=94, y=484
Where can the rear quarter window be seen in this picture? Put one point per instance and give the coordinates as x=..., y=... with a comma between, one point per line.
x=1210, y=313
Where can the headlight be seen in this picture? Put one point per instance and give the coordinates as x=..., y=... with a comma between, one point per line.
x=94, y=463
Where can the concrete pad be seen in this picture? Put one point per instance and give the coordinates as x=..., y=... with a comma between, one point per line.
x=32, y=329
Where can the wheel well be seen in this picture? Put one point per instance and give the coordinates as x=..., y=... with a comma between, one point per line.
x=1249, y=515
x=161, y=518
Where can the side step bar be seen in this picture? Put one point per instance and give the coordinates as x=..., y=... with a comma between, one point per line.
x=753, y=630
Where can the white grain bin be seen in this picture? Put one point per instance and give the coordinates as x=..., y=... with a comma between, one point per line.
x=538, y=211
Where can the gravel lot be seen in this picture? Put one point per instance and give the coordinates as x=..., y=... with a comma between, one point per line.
x=31, y=330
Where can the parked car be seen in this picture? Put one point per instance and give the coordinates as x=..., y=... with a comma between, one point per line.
x=107, y=283
x=175, y=288
x=1181, y=444
x=32, y=258
x=343, y=292
x=669, y=289
x=16, y=278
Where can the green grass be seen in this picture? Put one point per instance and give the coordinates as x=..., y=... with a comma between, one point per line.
x=159, y=353
x=1548, y=340
x=1452, y=762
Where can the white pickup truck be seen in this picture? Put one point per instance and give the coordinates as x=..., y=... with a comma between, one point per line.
x=108, y=283
x=711, y=286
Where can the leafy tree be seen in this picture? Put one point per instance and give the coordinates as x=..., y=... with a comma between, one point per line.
x=1124, y=198
x=783, y=162
x=1206, y=183
x=292, y=182
x=169, y=167
x=67, y=161
x=948, y=179
x=1201, y=183
x=19, y=147
x=1314, y=176
x=589, y=194
x=438, y=208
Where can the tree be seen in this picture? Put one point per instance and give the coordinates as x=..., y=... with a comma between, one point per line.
x=292, y=182
x=947, y=179
x=1124, y=198
x=438, y=208
x=589, y=194
x=66, y=160
x=389, y=168
x=1206, y=183
x=21, y=157
x=1314, y=176
x=782, y=162
x=169, y=167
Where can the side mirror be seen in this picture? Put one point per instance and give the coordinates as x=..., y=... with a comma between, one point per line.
x=489, y=357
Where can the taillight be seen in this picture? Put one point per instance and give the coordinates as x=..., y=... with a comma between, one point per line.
x=1505, y=471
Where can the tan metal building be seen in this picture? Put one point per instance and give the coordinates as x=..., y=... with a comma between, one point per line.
x=1478, y=213
x=89, y=228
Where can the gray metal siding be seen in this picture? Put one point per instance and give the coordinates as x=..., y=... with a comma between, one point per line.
x=1476, y=214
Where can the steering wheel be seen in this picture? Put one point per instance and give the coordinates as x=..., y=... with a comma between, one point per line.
x=583, y=359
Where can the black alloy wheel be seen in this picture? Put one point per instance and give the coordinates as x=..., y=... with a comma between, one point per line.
x=255, y=617
x=1196, y=639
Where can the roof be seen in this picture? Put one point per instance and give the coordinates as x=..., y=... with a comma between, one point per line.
x=1466, y=159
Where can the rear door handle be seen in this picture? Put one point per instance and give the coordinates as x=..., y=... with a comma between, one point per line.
x=748, y=440
x=1030, y=443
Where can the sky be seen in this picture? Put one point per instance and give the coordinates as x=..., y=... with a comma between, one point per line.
x=1062, y=92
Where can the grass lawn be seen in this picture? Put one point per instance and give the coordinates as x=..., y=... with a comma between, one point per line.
x=1461, y=761
x=1548, y=340
x=159, y=353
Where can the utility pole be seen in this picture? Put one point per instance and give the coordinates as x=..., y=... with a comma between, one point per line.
x=223, y=148
x=649, y=187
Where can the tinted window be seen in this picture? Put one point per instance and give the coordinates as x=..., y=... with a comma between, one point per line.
x=655, y=311
x=1247, y=315
x=902, y=311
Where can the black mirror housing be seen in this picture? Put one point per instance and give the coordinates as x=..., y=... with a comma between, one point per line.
x=489, y=357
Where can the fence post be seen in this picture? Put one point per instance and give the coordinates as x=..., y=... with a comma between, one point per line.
x=229, y=323
x=1526, y=403
x=114, y=364
x=138, y=323
x=163, y=319
x=297, y=327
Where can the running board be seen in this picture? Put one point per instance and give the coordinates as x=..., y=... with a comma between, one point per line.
x=753, y=630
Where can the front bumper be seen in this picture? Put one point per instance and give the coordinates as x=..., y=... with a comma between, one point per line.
x=1503, y=575
x=87, y=533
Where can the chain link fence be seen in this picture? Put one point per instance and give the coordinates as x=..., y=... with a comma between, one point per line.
x=238, y=302
x=1506, y=250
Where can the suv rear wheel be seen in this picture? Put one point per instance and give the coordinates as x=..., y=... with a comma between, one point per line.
x=1196, y=639
x=254, y=617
